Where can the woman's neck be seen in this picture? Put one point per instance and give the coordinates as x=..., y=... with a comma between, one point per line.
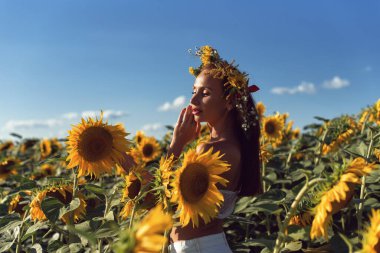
x=223, y=129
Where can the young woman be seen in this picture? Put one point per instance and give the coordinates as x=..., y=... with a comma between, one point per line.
x=225, y=104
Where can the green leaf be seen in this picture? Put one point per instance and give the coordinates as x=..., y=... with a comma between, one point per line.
x=293, y=246
x=95, y=189
x=32, y=229
x=108, y=229
x=51, y=208
x=74, y=204
x=37, y=247
x=10, y=226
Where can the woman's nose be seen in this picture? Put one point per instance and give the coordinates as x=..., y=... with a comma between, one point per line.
x=194, y=100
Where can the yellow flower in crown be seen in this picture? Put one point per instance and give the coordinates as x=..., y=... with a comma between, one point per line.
x=96, y=147
x=194, y=186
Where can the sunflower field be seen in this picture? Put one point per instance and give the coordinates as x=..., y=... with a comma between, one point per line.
x=103, y=189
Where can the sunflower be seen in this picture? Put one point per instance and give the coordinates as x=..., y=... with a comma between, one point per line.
x=45, y=148
x=6, y=146
x=139, y=137
x=149, y=149
x=64, y=193
x=147, y=235
x=135, y=181
x=260, y=107
x=45, y=170
x=8, y=167
x=27, y=144
x=162, y=178
x=273, y=126
x=18, y=202
x=371, y=236
x=96, y=147
x=337, y=195
x=194, y=186
x=327, y=148
x=295, y=133
x=376, y=152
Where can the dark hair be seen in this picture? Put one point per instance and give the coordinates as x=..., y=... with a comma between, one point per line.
x=250, y=175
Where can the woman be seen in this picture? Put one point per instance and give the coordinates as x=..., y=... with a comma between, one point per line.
x=221, y=98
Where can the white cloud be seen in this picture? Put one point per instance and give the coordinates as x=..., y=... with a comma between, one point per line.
x=335, y=83
x=70, y=115
x=152, y=127
x=107, y=114
x=12, y=125
x=303, y=87
x=176, y=104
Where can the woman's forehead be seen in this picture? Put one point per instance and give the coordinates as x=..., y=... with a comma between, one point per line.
x=206, y=81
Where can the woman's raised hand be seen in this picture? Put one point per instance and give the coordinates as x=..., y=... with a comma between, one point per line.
x=186, y=129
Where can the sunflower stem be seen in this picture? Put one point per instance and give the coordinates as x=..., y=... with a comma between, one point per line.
x=363, y=185
x=132, y=217
x=263, y=171
x=318, y=158
x=19, y=236
x=71, y=220
x=290, y=214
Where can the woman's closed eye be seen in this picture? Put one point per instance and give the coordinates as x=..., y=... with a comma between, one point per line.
x=204, y=94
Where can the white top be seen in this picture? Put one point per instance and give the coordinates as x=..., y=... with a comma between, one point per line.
x=228, y=205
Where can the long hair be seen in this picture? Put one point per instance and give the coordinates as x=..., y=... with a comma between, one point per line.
x=250, y=175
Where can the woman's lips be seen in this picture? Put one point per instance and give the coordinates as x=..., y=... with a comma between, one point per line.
x=196, y=111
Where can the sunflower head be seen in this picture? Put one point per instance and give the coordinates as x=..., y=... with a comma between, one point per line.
x=6, y=146
x=149, y=149
x=272, y=127
x=64, y=194
x=146, y=235
x=194, y=186
x=28, y=144
x=139, y=137
x=371, y=235
x=45, y=148
x=95, y=147
x=8, y=167
x=260, y=107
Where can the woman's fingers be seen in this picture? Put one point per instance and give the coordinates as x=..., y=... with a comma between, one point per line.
x=187, y=116
x=180, y=118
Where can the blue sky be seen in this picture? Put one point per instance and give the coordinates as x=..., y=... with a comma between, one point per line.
x=60, y=60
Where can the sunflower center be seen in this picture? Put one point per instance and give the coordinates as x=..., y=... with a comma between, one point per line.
x=194, y=182
x=56, y=194
x=270, y=128
x=134, y=188
x=95, y=144
x=147, y=150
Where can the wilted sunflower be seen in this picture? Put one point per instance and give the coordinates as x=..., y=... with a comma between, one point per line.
x=45, y=148
x=64, y=193
x=194, y=186
x=7, y=168
x=149, y=148
x=18, y=202
x=95, y=147
x=135, y=181
x=6, y=146
x=335, y=196
x=334, y=145
x=371, y=236
x=146, y=236
x=272, y=127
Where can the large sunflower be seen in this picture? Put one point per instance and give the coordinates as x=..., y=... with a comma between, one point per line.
x=146, y=236
x=371, y=236
x=194, y=186
x=149, y=149
x=96, y=147
x=272, y=127
x=337, y=196
x=64, y=193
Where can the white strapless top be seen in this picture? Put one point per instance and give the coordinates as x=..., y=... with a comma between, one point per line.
x=228, y=205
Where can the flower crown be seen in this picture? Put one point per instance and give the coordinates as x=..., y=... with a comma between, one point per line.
x=236, y=84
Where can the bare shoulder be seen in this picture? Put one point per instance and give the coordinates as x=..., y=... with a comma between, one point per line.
x=230, y=150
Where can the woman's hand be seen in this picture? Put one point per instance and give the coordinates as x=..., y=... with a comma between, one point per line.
x=186, y=129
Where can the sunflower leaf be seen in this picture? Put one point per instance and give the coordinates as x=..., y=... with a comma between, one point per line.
x=51, y=208
x=32, y=229
x=74, y=204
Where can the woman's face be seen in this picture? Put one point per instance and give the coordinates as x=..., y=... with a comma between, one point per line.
x=208, y=104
